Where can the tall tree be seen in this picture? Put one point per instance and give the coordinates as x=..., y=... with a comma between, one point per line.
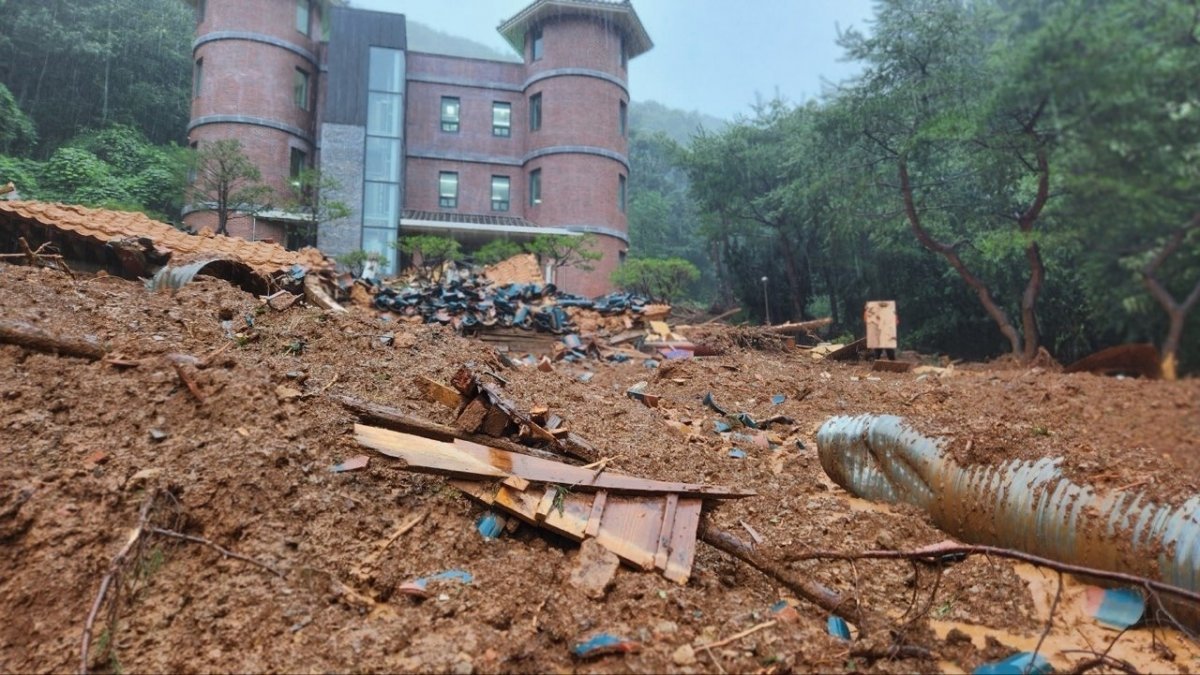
x=227, y=182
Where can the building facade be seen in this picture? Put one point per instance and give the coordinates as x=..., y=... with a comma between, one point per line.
x=421, y=143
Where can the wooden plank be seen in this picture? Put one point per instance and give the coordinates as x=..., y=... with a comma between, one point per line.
x=546, y=502
x=436, y=391
x=683, y=540
x=570, y=517
x=597, y=512
x=664, y=532
x=629, y=528
x=541, y=470
x=848, y=352
x=427, y=454
x=516, y=483
x=892, y=366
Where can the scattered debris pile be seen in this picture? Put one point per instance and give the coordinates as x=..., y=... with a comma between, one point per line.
x=466, y=298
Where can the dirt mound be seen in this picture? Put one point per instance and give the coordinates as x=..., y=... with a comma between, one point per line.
x=246, y=466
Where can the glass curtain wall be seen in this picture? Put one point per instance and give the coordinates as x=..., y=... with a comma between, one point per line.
x=385, y=123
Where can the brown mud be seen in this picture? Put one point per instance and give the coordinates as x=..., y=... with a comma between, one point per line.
x=82, y=444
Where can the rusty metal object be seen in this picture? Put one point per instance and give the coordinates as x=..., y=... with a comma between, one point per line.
x=1135, y=359
x=240, y=274
x=1022, y=505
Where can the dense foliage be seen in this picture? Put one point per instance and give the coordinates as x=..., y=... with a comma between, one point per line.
x=1017, y=174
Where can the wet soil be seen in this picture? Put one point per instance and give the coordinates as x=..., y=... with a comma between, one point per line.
x=83, y=444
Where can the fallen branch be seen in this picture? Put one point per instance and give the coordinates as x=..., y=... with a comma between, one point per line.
x=801, y=327
x=398, y=420
x=827, y=599
x=739, y=636
x=30, y=337
x=216, y=547
x=114, y=569
x=932, y=554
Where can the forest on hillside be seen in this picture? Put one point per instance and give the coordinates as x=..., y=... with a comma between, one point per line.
x=1017, y=174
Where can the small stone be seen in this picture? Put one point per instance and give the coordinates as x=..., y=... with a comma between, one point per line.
x=594, y=569
x=885, y=542
x=684, y=656
x=286, y=393
x=666, y=628
x=296, y=375
x=463, y=665
x=158, y=435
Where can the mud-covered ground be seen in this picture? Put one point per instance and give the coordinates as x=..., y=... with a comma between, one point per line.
x=84, y=444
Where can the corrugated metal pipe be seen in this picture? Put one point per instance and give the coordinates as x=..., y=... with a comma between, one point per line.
x=1023, y=505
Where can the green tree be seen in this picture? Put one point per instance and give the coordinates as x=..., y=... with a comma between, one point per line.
x=496, y=250
x=307, y=197
x=432, y=250
x=80, y=64
x=662, y=279
x=565, y=250
x=17, y=131
x=227, y=182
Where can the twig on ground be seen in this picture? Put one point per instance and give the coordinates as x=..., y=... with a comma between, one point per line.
x=808, y=589
x=1098, y=661
x=715, y=660
x=216, y=547
x=933, y=555
x=738, y=636
x=1049, y=619
x=114, y=570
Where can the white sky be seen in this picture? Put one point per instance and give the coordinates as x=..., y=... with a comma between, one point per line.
x=713, y=56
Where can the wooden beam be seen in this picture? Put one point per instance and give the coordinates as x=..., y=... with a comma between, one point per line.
x=422, y=454
x=394, y=418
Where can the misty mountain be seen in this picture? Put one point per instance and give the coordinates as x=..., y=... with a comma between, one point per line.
x=652, y=117
x=422, y=38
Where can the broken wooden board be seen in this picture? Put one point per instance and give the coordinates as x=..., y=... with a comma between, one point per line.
x=436, y=391
x=892, y=366
x=646, y=532
x=472, y=460
x=848, y=352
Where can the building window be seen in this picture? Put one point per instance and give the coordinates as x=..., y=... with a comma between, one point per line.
x=299, y=160
x=201, y=6
x=621, y=256
x=621, y=192
x=198, y=78
x=450, y=110
x=300, y=89
x=623, y=117
x=303, y=7
x=535, y=112
x=535, y=39
x=448, y=190
x=386, y=71
x=535, y=187
x=500, y=193
x=623, y=52
x=501, y=119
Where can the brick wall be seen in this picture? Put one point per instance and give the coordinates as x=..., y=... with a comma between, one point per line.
x=474, y=186
x=253, y=79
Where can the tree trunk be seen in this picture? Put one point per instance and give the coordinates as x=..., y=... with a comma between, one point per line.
x=793, y=277
x=1037, y=274
x=1037, y=269
x=951, y=255
x=1177, y=312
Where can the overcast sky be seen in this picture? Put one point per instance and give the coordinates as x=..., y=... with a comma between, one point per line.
x=709, y=55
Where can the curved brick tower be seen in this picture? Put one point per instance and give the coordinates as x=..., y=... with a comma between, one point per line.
x=576, y=56
x=255, y=80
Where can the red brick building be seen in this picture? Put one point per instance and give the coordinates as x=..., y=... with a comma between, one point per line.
x=426, y=143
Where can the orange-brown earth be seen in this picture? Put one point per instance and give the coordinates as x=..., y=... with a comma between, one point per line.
x=82, y=445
